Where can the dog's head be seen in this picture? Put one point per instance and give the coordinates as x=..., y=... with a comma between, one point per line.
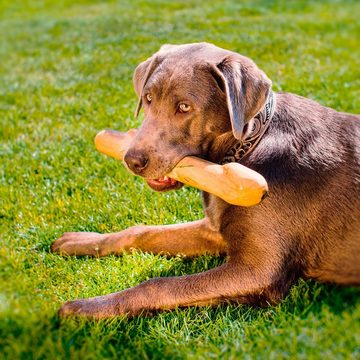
x=192, y=95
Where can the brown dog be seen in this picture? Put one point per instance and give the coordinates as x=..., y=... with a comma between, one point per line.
x=202, y=100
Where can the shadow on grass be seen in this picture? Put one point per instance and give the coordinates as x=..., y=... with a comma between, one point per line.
x=152, y=336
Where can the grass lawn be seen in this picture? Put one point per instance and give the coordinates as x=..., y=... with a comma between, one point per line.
x=65, y=73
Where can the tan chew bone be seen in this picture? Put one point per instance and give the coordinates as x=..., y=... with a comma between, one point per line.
x=233, y=182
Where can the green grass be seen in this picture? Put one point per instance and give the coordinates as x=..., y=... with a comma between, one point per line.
x=65, y=73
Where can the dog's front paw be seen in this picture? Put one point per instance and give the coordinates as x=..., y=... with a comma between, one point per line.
x=72, y=308
x=80, y=243
x=99, y=307
x=80, y=308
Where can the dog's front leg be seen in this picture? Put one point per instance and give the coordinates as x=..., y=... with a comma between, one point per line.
x=224, y=283
x=190, y=239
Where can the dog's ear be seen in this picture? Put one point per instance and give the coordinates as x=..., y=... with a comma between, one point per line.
x=141, y=75
x=246, y=88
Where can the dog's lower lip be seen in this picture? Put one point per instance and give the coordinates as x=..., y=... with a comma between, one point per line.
x=162, y=180
x=164, y=183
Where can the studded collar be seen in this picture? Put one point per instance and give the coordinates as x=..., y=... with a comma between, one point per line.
x=255, y=129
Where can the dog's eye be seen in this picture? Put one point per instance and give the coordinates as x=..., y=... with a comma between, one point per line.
x=148, y=97
x=184, y=108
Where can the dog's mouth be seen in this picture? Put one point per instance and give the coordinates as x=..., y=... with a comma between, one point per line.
x=164, y=183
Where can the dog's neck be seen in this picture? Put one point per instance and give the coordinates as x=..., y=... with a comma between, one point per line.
x=253, y=132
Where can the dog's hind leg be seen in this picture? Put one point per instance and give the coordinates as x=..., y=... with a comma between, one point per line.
x=228, y=282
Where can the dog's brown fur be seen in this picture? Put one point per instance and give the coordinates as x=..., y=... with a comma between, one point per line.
x=308, y=227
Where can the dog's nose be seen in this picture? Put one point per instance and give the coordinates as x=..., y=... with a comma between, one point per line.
x=136, y=161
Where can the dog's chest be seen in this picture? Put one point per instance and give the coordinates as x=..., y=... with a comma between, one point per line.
x=214, y=209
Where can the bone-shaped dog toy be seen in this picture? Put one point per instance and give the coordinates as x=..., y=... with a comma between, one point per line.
x=233, y=182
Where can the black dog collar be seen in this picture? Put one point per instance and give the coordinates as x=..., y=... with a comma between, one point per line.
x=255, y=129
